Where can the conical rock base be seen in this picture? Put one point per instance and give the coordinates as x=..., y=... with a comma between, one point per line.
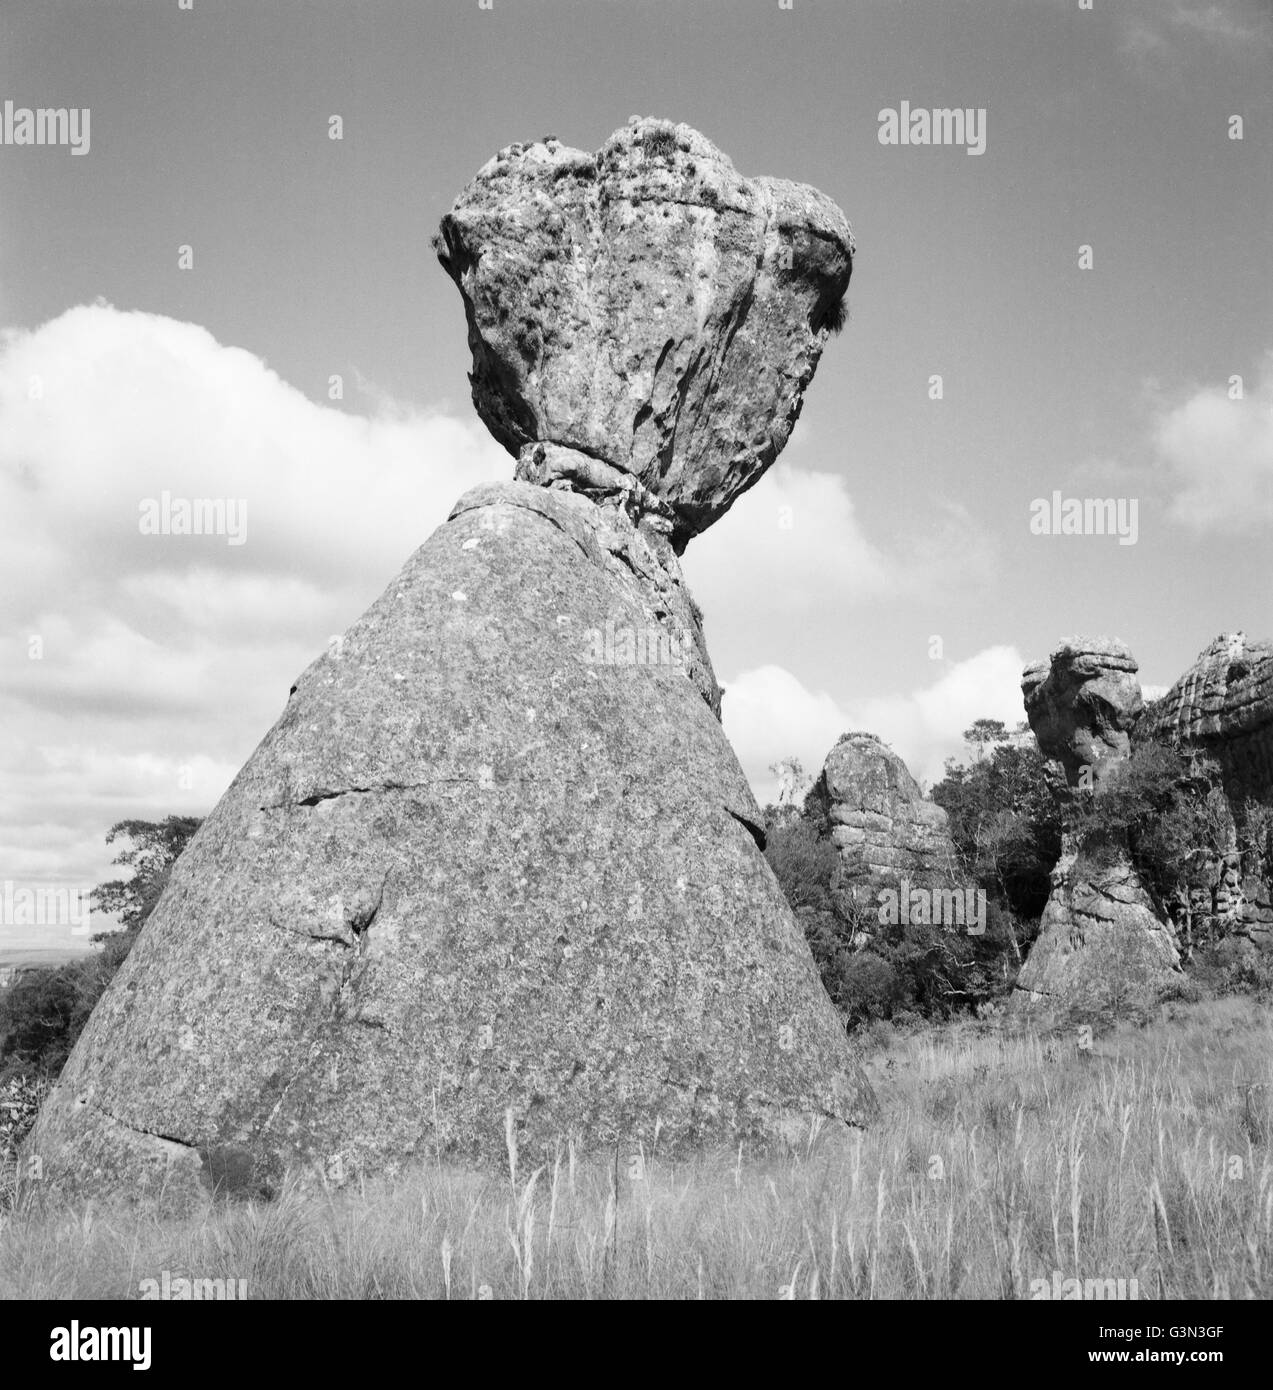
x=495, y=870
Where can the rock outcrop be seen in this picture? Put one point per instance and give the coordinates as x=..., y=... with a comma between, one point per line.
x=1223, y=706
x=1100, y=944
x=1082, y=704
x=647, y=307
x=496, y=864
x=888, y=834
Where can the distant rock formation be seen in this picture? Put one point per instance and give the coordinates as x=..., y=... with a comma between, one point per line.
x=1223, y=705
x=1082, y=704
x=646, y=307
x=886, y=831
x=1100, y=940
x=496, y=864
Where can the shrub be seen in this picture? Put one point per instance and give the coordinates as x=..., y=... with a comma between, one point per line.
x=873, y=971
x=868, y=988
x=1168, y=810
x=659, y=142
x=43, y=1012
x=836, y=315
x=1232, y=968
x=802, y=863
x=1005, y=819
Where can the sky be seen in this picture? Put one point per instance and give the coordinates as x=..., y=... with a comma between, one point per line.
x=218, y=299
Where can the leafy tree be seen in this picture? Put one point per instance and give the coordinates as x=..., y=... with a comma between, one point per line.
x=43, y=1012
x=793, y=782
x=803, y=864
x=1255, y=836
x=874, y=971
x=1005, y=819
x=985, y=732
x=1168, y=809
x=151, y=855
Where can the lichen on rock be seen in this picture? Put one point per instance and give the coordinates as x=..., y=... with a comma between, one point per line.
x=646, y=306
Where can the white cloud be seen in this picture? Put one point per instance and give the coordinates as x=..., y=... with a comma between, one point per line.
x=770, y=715
x=1232, y=25
x=794, y=548
x=103, y=409
x=1218, y=455
x=783, y=547
x=1153, y=30
x=165, y=658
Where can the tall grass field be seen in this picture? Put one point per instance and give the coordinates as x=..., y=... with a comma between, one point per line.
x=1003, y=1165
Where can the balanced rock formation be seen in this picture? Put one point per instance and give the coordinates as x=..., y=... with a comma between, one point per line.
x=647, y=307
x=888, y=834
x=1082, y=704
x=496, y=864
x=1100, y=941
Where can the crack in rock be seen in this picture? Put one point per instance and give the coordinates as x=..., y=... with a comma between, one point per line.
x=756, y=832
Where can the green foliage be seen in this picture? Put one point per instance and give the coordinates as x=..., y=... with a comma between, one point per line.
x=1255, y=836
x=837, y=315
x=43, y=1012
x=871, y=971
x=1169, y=809
x=986, y=731
x=868, y=988
x=659, y=142
x=793, y=782
x=1005, y=820
x=1217, y=970
x=153, y=851
x=802, y=863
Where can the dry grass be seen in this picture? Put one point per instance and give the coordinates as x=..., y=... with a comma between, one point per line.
x=999, y=1159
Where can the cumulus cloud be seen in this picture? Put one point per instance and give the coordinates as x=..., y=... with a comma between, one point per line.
x=1212, y=437
x=142, y=669
x=770, y=715
x=794, y=549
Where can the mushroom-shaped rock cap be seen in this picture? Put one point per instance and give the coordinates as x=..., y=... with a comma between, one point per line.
x=1082, y=704
x=647, y=307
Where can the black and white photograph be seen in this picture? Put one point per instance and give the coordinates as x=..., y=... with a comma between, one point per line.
x=636, y=664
